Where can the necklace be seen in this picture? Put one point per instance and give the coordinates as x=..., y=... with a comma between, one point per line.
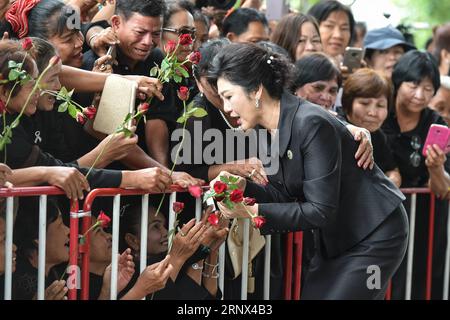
x=228, y=124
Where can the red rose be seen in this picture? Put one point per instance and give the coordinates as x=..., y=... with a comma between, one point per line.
x=27, y=44
x=103, y=219
x=90, y=112
x=195, y=191
x=178, y=207
x=185, y=39
x=143, y=107
x=213, y=219
x=219, y=198
x=54, y=60
x=2, y=106
x=170, y=47
x=259, y=222
x=237, y=196
x=195, y=57
x=81, y=119
x=220, y=187
x=183, y=93
x=249, y=201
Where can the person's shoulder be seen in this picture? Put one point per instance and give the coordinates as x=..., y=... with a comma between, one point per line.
x=431, y=116
x=156, y=56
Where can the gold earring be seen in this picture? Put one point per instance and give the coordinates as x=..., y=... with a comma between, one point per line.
x=257, y=103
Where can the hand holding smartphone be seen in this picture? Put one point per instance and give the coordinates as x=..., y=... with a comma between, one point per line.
x=439, y=135
x=352, y=58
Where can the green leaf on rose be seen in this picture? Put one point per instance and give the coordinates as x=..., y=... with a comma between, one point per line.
x=224, y=179
x=13, y=74
x=227, y=202
x=12, y=64
x=72, y=110
x=234, y=179
x=63, y=107
x=183, y=72
x=177, y=78
x=154, y=71
x=199, y=112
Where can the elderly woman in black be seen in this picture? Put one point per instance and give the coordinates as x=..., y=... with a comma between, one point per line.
x=416, y=80
x=359, y=222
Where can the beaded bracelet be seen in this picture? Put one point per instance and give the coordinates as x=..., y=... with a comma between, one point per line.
x=211, y=265
x=212, y=276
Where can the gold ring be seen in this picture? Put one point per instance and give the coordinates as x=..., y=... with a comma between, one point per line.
x=103, y=67
x=182, y=233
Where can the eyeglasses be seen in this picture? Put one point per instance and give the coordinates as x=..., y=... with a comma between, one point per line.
x=182, y=30
x=415, y=157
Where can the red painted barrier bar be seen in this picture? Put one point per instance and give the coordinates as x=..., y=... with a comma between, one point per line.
x=87, y=207
x=298, y=240
x=288, y=268
x=389, y=291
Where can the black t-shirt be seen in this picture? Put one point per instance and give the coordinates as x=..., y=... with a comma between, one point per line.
x=95, y=285
x=197, y=127
x=403, y=146
x=25, y=150
x=382, y=153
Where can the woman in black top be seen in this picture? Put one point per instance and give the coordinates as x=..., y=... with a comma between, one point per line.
x=416, y=80
x=26, y=235
x=366, y=99
x=357, y=215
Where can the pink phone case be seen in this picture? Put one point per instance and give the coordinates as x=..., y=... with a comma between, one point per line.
x=437, y=134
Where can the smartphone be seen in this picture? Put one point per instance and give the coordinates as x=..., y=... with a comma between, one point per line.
x=111, y=52
x=352, y=58
x=437, y=134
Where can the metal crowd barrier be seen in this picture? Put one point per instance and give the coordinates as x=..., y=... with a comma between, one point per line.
x=294, y=243
x=42, y=192
x=294, y=252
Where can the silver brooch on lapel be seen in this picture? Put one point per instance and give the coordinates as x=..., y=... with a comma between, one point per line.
x=289, y=154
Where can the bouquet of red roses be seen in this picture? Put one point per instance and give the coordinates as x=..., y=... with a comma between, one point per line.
x=228, y=193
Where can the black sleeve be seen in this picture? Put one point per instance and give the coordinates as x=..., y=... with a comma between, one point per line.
x=382, y=152
x=190, y=146
x=321, y=184
x=184, y=288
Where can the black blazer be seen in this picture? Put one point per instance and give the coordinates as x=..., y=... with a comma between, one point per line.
x=318, y=184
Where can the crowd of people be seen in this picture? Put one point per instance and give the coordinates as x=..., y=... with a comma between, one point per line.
x=346, y=139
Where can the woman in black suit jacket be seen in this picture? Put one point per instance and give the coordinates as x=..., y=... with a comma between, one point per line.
x=360, y=225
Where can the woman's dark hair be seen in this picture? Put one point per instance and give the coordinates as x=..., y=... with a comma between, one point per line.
x=199, y=16
x=238, y=21
x=415, y=66
x=11, y=50
x=315, y=67
x=146, y=8
x=287, y=31
x=173, y=7
x=324, y=8
x=130, y=221
x=26, y=227
x=441, y=41
x=365, y=83
x=46, y=19
x=249, y=66
x=274, y=48
x=208, y=51
x=42, y=52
